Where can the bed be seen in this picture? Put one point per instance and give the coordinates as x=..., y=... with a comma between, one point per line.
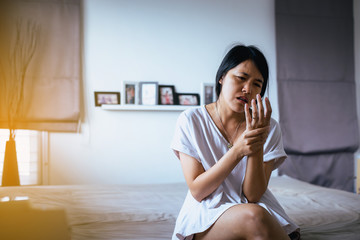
x=148, y=212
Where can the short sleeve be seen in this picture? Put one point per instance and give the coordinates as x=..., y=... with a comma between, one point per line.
x=184, y=137
x=273, y=147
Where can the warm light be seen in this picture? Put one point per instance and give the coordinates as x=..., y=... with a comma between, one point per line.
x=5, y=199
x=27, y=154
x=18, y=198
x=21, y=198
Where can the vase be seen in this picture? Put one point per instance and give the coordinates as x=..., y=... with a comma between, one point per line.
x=10, y=176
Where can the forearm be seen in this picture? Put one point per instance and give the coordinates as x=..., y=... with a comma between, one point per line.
x=255, y=181
x=208, y=181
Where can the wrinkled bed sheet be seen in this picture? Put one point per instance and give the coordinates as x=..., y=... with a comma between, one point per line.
x=148, y=212
x=322, y=213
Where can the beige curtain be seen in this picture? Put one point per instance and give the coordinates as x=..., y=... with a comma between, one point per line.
x=40, y=66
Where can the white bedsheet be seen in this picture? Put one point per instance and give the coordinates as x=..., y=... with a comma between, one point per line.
x=110, y=211
x=148, y=212
x=322, y=213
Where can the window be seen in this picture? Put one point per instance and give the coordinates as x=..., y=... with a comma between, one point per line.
x=28, y=151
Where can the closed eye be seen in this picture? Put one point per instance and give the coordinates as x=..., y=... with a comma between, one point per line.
x=241, y=78
x=258, y=83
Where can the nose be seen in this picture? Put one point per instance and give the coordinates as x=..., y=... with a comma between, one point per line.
x=246, y=88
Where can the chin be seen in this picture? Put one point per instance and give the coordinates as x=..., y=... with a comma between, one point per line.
x=238, y=108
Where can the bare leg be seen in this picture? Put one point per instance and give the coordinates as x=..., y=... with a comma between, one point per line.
x=244, y=222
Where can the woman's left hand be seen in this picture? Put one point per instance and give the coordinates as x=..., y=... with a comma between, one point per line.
x=259, y=117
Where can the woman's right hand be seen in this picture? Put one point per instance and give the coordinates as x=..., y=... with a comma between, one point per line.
x=250, y=141
x=257, y=128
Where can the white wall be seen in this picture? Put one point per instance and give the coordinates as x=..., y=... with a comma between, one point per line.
x=173, y=42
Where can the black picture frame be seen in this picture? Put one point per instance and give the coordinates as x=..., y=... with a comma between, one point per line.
x=167, y=95
x=188, y=99
x=106, y=98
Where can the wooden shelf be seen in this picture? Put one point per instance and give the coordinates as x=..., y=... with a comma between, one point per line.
x=168, y=108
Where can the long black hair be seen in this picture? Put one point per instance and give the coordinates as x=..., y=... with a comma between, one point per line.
x=239, y=54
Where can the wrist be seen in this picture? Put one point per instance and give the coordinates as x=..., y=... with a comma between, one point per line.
x=237, y=153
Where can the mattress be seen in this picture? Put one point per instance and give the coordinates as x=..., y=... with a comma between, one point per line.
x=149, y=211
x=322, y=213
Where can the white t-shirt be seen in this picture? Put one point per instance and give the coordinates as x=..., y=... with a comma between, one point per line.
x=197, y=136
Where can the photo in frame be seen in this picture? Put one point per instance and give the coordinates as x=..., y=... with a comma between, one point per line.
x=188, y=99
x=102, y=98
x=208, y=94
x=129, y=95
x=148, y=93
x=167, y=95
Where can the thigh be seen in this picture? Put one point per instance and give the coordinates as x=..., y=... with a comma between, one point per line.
x=244, y=221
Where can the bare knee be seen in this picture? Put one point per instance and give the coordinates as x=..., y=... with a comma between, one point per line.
x=244, y=221
x=261, y=225
x=256, y=220
x=256, y=214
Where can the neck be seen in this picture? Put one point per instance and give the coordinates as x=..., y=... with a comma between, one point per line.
x=231, y=126
x=228, y=116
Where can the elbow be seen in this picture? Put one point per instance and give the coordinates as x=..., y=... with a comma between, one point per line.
x=197, y=192
x=253, y=199
x=199, y=199
x=197, y=196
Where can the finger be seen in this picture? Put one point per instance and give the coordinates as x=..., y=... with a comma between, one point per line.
x=268, y=110
x=247, y=116
x=256, y=132
x=255, y=116
x=254, y=140
x=261, y=110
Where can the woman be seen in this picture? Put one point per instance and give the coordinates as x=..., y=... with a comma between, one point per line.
x=227, y=152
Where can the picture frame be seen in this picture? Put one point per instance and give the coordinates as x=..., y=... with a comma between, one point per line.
x=167, y=95
x=208, y=93
x=148, y=93
x=106, y=98
x=130, y=93
x=188, y=99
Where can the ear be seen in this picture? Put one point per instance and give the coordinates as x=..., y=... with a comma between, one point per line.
x=221, y=80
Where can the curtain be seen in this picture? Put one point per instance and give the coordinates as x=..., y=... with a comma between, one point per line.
x=40, y=66
x=316, y=86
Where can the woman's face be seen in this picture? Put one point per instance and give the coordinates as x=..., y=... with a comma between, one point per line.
x=240, y=85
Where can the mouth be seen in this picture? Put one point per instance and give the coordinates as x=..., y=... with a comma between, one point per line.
x=243, y=99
